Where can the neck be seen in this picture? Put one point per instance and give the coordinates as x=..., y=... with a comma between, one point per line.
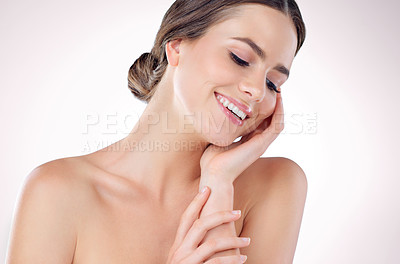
x=162, y=153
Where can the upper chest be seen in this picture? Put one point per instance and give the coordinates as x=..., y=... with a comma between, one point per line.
x=136, y=231
x=119, y=225
x=117, y=230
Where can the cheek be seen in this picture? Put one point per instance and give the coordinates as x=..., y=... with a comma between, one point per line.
x=200, y=74
x=213, y=66
x=221, y=73
x=187, y=85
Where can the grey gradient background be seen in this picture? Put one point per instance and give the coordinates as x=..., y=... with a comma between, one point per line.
x=64, y=64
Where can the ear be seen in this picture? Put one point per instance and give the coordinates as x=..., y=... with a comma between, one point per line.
x=172, y=51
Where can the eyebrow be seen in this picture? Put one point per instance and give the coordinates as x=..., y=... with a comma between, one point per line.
x=280, y=68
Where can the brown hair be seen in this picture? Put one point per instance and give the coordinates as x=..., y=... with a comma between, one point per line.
x=190, y=20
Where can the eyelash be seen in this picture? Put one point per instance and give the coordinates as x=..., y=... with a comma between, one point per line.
x=243, y=63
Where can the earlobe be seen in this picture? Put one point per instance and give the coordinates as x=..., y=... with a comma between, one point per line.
x=172, y=51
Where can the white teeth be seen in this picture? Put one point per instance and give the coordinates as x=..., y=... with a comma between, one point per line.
x=231, y=107
x=240, y=114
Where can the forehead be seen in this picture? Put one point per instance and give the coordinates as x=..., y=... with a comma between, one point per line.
x=270, y=29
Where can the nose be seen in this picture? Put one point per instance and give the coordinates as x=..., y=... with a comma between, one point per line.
x=254, y=89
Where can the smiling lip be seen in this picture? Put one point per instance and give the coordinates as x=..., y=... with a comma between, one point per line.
x=244, y=108
x=229, y=114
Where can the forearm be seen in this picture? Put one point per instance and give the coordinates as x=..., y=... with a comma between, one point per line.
x=221, y=199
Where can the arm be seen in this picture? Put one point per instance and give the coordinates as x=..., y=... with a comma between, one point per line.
x=221, y=199
x=273, y=222
x=43, y=228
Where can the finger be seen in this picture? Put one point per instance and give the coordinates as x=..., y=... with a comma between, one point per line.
x=272, y=125
x=278, y=109
x=190, y=215
x=228, y=259
x=258, y=142
x=277, y=122
x=212, y=246
x=203, y=225
x=260, y=128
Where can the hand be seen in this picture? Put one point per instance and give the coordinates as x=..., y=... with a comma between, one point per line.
x=191, y=231
x=229, y=162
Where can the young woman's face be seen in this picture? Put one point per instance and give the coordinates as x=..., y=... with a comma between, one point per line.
x=225, y=62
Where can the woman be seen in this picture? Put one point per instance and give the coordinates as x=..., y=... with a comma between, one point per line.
x=213, y=75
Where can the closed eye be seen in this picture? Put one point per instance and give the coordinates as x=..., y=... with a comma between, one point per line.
x=244, y=63
x=239, y=60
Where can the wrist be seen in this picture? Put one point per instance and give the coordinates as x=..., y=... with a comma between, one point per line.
x=215, y=182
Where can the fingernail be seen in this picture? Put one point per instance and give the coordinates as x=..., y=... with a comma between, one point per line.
x=243, y=258
x=236, y=212
x=204, y=189
x=246, y=239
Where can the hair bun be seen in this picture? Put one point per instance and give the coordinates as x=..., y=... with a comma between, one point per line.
x=142, y=78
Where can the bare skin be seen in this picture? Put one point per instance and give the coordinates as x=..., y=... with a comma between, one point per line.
x=107, y=219
x=145, y=231
x=123, y=205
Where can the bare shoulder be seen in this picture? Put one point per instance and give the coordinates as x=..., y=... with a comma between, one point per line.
x=64, y=178
x=277, y=189
x=59, y=173
x=272, y=165
x=280, y=169
x=45, y=221
x=271, y=172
